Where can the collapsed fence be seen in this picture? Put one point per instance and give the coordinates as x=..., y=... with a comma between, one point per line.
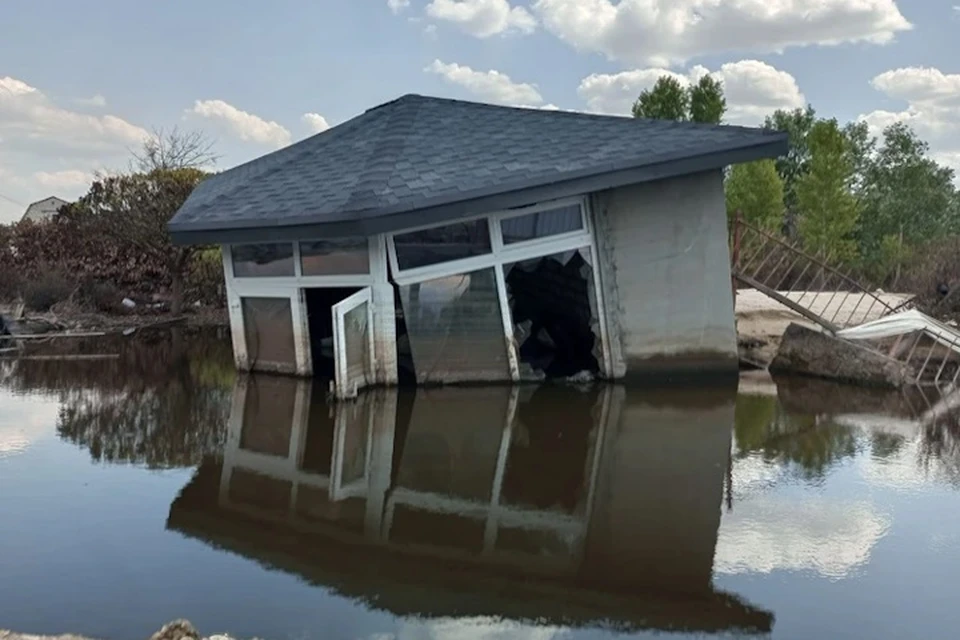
x=804, y=283
x=928, y=350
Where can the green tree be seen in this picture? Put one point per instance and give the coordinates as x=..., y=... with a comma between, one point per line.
x=755, y=189
x=135, y=209
x=908, y=199
x=829, y=212
x=707, y=102
x=791, y=167
x=667, y=100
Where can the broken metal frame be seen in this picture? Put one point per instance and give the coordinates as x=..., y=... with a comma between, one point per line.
x=758, y=257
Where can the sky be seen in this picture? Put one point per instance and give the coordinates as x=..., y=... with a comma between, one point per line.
x=83, y=83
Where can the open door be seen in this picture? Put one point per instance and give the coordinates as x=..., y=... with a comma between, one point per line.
x=353, y=344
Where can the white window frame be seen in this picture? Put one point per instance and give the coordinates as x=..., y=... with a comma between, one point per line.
x=300, y=280
x=500, y=254
x=292, y=287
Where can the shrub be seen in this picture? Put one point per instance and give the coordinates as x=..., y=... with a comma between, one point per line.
x=102, y=296
x=46, y=290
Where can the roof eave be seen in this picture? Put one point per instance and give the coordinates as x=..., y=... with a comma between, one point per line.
x=775, y=146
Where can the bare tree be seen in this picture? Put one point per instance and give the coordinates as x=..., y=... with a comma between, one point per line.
x=175, y=149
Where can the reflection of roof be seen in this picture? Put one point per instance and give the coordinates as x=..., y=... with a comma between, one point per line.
x=408, y=583
x=421, y=160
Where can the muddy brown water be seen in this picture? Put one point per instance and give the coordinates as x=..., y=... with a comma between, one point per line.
x=158, y=485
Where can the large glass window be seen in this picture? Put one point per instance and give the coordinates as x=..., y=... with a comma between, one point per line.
x=541, y=224
x=341, y=256
x=442, y=244
x=262, y=260
x=268, y=328
x=455, y=328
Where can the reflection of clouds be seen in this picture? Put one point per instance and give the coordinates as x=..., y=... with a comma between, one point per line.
x=769, y=533
x=474, y=629
x=23, y=421
x=435, y=295
x=754, y=475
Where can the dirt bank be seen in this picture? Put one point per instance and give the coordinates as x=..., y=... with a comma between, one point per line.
x=761, y=319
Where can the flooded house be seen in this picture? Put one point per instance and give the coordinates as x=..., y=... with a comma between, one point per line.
x=439, y=241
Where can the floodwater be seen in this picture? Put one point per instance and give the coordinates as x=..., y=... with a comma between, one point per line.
x=158, y=485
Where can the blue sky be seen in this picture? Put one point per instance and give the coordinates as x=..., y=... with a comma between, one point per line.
x=82, y=82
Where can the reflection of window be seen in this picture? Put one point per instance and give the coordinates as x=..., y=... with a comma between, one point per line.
x=268, y=415
x=442, y=244
x=342, y=256
x=455, y=328
x=542, y=224
x=268, y=328
x=262, y=260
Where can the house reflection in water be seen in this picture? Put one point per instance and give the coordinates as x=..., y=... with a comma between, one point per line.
x=592, y=507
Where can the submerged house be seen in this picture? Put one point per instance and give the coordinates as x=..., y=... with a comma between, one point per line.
x=433, y=241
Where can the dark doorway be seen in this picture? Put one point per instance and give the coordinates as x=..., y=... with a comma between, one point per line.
x=320, y=302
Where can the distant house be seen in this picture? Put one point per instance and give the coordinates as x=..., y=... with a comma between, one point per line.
x=43, y=210
x=446, y=241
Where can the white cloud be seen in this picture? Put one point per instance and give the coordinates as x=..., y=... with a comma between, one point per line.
x=66, y=179
x=27, y=115
x=46, y=146
x=752, y=88
x=483, y=18
x=246, y=126
x=396, y=6
x=94, y=101
x=664, y=32
x=932, y=108
x=315, y=122
x=491, y=86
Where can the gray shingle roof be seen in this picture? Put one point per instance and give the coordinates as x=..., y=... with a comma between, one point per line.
x=420, y=160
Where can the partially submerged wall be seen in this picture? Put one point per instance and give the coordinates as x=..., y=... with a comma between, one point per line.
x=665, y=268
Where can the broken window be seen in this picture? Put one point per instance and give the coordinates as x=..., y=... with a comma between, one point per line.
x=541, y=224
x=268, y=329
x=442, y=244
x=553, y=308
x=262, y=260
x=341, y=256
x=455, y=328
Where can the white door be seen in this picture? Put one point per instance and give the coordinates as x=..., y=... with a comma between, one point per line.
x=353, y=343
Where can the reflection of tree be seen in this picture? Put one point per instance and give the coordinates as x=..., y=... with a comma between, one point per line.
x=940, y=450
x=163, y=403
x=811, y=444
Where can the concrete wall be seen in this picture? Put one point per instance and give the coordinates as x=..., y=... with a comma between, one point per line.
x=665, y=269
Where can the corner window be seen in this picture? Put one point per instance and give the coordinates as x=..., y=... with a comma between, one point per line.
x=336, y=257
x=442, y=244
x=541, y=224
x=262, y=260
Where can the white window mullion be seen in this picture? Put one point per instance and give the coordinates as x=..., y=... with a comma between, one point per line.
x=598, y=293
x=301, y=333
x=506, y=316
x=496, y=233
x=297, y=265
